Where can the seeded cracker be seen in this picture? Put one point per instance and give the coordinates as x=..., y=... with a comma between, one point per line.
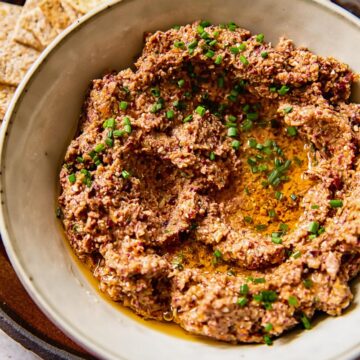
x=8, y=17
x=83, y=6
x=6, y=93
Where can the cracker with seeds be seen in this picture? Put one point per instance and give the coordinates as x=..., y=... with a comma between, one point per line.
x=6, y=93
x=15, y=61
x=84, y=6
x=8, y=18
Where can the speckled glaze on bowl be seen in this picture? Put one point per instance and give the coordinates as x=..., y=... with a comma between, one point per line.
x=40, y=123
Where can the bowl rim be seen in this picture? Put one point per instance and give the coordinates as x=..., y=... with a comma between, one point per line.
x=81, y=338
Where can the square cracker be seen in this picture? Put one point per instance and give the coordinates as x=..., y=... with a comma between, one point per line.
x=6, y=93
x=35, y=21
x=70, y=11
x=9, y=15
x=15, y=61
x=84, y=6
x=22, y=34
x=55, y=14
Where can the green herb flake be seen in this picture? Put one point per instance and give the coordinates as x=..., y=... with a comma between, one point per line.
x=242, y=301
x=125, y=174
x=335, y=203
x=260, y=38
x=267, y=340
x=235, y=144
x=200, y=110
x=72, y=178
x=244, y=60
x=218, y=60
x=306, y=322
x=123, y=105
x=293, y=301
x=244, y=289
x=283, y=90
x=291, y=130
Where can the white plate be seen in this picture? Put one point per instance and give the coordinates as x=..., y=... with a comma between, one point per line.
x=41, y=122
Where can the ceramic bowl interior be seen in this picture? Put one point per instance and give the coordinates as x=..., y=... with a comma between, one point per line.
x=41, y=122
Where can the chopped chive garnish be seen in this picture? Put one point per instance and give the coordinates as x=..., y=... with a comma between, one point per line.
x=268, y=327
x=276, y=240
x=181, y=83
x=209, y=53
x=264, y=54
x=217, y=254
x=179, y=44
x=125, y=174
x=252, y=116
x=220, y=82
x=262, y=168
x=200, y=29
x=267, y=340
x=72, y=178
x=176, y=27
x=293, y=301
x=244, y=60
x=155, y=91
x=218, y=60
x=296, y=254
x=314, y=207
x=109, y=123
x=272, y=88
x=242, y=301
x=288, y=109
x=252, y=143
x=109, y=142
x=118, y=133
x=247, y=125
x=278, y=195
x=127, y=128
x=283, y=90
x=260, y=37
x=110, y=134
x=205, y=23
x=306, y=322
x=212, y=156
x=291, y=130
x=235, y=144
x=272, y=213
x=204, y=35
x=80, y=159
x=231, y=26
x=200, y=110
x=212, y=42
x=284, y=227
x=313, y=227
x=193, y=44
x=123, y=105
x=259, y=281
x=99, y=148
x=188, y=118
x=248, y=219
x=242, y=47
x=126, y=121
x=232, y=132
x=307, y=283
x=234, y=50
x=246, y=108
x=244, y=289
x=336, y=203
x=170, y=114
x=260, y=227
